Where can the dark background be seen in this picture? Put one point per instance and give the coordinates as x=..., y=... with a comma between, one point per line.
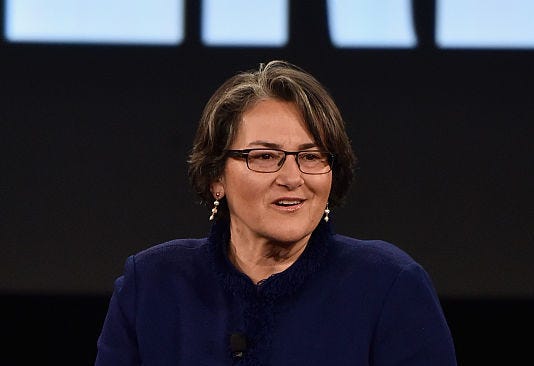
x=94, y=141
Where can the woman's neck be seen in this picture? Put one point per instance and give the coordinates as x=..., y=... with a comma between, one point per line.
x=260, y=259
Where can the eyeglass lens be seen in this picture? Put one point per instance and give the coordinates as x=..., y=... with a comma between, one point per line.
x=314, y=162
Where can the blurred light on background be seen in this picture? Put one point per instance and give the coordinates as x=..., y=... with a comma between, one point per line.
x=352, y=24
x=95, y=21
x=245, y=23
x=371, y=23
x=485, y=24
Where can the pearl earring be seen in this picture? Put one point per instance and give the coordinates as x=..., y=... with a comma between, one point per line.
x=215, y=205
x=326, y=212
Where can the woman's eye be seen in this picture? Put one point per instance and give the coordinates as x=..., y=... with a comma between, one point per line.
x=262, y=155
x=310, y=156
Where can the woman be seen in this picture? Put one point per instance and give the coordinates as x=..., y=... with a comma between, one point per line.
x=273, y=284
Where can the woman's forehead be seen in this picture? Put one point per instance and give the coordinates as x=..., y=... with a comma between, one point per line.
x=273, y=122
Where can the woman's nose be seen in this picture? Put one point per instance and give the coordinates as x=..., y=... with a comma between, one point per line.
x=289, y=174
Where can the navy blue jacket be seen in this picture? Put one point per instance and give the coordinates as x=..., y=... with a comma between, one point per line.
x=343, y=302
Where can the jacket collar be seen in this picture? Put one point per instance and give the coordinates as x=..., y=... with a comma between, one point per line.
x=281, y=284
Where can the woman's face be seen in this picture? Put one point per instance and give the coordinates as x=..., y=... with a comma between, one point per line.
x=284, y=206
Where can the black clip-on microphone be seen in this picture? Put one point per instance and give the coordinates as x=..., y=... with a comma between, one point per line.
x=238, y=344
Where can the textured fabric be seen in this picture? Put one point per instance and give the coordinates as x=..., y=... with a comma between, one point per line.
x=343, y=302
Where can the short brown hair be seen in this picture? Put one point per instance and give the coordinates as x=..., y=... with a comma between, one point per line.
x=222, y=114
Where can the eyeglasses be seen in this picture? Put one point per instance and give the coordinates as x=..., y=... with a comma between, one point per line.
x=272, y=160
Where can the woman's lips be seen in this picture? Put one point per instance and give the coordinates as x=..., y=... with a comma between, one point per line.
x=288, y=204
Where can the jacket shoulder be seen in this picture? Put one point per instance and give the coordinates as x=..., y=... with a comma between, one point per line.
x=173, y=250
x=373, y=253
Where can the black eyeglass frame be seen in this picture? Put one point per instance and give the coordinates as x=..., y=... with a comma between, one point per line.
x=244, y=155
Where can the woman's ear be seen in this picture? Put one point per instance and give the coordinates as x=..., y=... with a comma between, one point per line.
x=217, y=189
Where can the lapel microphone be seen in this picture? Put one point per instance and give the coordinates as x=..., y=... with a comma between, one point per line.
x=238, y=344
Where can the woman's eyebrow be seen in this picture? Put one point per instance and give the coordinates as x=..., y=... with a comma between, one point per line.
x=265, y=144
x=272, y=145
x=307, y=146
